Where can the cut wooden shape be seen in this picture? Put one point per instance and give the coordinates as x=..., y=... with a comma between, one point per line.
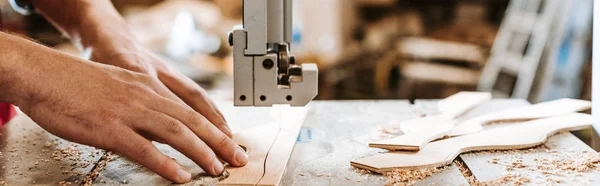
x=524, y=135
x=449, y=108
x=268, y=148
x=537, y=111
x=429, y=129
x=415, y=140
x=419, y=132
x=459, y=103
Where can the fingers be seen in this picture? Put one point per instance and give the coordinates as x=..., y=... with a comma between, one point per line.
x=179, y=136
x=220, y=143
x=196, y=97
x=142, y=151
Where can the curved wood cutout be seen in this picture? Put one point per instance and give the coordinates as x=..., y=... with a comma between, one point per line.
x=429, y=129
x=443, y=152
x=541, y=110
x=268, y=148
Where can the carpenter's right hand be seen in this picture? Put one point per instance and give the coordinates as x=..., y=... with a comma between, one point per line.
x=119, y=110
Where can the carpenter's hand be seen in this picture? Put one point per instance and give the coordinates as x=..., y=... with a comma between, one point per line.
x=130, y=55
x=121, y=110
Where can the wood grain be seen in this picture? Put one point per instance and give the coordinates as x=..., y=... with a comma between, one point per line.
x=440, y=153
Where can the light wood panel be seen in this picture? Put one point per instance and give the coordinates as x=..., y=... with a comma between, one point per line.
x=268, y=148
x=439, y=153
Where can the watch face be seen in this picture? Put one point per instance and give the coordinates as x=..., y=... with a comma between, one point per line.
x=24, y=7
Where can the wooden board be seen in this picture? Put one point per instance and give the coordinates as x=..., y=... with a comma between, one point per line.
x=446, y=110
x=439, y=153
x=459, y=103
x=540, y=110
x=30, y=155
x=268, y=133
x=268, y=156
x=416, y=139
x=436, y=126
x=429, y=129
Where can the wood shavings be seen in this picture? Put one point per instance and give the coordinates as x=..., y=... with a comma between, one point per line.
x=509, y=179
x=99, y=167
x=409, y=177
x=555, y=168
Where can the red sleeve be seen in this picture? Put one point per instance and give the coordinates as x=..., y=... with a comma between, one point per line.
x=7, y=112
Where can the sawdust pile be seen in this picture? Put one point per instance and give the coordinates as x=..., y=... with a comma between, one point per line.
x=558, y=167
x=409, y=177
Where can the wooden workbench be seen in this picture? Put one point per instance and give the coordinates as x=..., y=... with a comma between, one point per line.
x=333, y=133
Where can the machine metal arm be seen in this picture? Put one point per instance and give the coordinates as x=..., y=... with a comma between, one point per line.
x=265, y=72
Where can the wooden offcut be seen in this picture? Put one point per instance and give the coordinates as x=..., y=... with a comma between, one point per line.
x=420, y=131
x=440, y=153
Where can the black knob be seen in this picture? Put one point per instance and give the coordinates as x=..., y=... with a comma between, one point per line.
x=268, y=64
x=230, y=38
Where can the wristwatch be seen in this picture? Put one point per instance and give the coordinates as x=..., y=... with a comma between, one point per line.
x=24, y=7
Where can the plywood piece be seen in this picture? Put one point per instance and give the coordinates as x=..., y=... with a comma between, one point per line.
x=420, y=131
x=540, y=110
x=443, y=152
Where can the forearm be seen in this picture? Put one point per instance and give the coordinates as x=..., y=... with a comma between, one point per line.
x=10, y=61
x=23, y=65
x=89, y=23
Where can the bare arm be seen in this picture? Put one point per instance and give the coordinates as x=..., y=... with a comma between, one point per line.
x=193, y=125
x=110, y=108
x=97, y=28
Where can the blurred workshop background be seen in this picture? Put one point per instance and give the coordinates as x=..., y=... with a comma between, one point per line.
x=377, y=49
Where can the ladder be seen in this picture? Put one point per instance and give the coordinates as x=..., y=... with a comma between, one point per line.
x=518, y=48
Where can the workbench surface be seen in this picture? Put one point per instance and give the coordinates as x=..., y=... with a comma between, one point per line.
x=333, y=133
